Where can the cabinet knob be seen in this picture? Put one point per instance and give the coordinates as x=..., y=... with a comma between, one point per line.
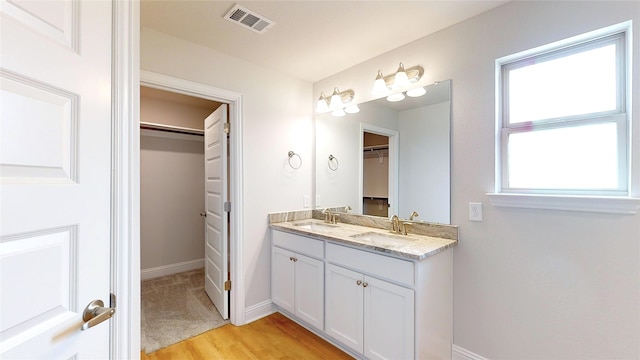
x=365, y=284
x=359, y=282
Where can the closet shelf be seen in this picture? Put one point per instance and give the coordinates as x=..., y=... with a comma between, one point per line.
x=170, y=128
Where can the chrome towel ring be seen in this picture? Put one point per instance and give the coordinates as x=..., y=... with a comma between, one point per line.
x=293, y=155
x=333, y=163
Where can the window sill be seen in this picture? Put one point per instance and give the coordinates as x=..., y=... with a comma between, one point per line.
x=597, y=204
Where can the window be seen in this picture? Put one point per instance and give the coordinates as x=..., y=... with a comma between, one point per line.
x=563, y=125
x=563, y=120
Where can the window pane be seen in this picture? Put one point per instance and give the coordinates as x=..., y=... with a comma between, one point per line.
x=578, y=157
x=577, y=84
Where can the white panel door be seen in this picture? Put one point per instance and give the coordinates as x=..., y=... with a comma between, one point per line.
x=216, y=227
x=344, y=306
x=55, y=180
x=309, y=290
x=388, y=320
x=283, y=278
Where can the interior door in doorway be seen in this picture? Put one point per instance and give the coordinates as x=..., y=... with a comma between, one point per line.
x=55, y=177
x=217, y=213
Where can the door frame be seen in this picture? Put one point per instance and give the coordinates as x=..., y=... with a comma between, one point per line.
x=124, y=336
x=125, y=178
x=393, y=165
x=234, y=100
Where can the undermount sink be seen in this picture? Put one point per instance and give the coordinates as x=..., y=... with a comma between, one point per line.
x=315, y=226
x=386, y=239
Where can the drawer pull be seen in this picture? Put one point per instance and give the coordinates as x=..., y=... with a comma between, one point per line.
x=365, y=284
x=359, y=282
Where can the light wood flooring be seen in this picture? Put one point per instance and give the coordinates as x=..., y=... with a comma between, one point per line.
x=272, y=337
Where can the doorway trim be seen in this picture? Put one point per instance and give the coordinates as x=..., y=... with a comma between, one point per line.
x=190, y=88
x=393, y=165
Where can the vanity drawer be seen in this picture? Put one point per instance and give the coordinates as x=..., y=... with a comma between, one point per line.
x=298, y=244
x=400, y=271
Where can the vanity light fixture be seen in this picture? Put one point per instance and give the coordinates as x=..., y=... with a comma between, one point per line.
x=401, y=79
x=338, y=102
x=322, y=105
x=417, y=92
x=395, y=97
x=352, y=109
x=383, y=85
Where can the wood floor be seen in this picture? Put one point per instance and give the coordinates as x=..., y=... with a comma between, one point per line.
x=272, y=337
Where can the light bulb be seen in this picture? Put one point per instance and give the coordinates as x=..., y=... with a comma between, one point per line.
x=419, y=91
x=401, y=78
x=336, y=99
x=379, y=85
x=395, y=97
x=338, y=113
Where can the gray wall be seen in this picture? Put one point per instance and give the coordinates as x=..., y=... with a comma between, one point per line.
x=171, y=199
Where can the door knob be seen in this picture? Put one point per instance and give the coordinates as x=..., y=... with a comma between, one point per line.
x=95, y=313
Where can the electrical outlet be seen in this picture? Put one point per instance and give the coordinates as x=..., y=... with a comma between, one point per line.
x=306, y=201
x=317, y=200
x=475, y=211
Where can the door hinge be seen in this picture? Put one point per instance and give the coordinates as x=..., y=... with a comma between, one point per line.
x=227, y=127
x=112, y=300
x=227, y=206
x=227, y=285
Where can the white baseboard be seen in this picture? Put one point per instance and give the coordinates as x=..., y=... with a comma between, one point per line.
x=159, y=271
x=258, y=311
x=459, y=353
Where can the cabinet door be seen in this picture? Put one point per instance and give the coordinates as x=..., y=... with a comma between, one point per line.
x=309, y=290
x=343, y=306
x=282, y=278
x=388, y=320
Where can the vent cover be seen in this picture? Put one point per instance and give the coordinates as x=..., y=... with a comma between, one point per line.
x=249, y=19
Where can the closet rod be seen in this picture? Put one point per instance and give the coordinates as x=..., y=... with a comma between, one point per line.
x=375, y=147
x=170, y=128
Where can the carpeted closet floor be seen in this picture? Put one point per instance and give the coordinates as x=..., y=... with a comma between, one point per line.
x=175, y=308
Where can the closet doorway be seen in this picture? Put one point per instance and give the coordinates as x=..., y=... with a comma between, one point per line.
x=184, y=224
x=375, y=178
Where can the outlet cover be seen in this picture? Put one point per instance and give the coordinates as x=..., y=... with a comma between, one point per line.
x=306, y=201
x=475, y=211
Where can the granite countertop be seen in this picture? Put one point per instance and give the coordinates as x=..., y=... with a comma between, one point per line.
x=411, y=246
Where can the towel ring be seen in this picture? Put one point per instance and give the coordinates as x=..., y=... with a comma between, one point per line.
x=291, y=155
x=331, y=161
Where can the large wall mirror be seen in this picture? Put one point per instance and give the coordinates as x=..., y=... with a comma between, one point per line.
x=390, y=158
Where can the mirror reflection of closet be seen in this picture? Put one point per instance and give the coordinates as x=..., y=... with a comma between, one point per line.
x=375, y=170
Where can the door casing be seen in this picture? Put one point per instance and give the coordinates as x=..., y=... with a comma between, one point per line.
x=185, y=87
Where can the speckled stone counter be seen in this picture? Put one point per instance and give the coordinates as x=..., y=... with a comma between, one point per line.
x=367, y=232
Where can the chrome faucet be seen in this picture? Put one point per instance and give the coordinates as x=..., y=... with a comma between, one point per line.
x=412, y=215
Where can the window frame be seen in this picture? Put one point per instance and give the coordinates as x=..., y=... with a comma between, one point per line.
x=619, y=199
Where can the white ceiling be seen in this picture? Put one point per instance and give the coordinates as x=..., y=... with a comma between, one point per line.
x=310, y=40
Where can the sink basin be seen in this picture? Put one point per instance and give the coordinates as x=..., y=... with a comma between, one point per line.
x=384, y=239
x=315, y=226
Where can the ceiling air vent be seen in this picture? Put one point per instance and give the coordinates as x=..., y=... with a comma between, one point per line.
x=247, y=18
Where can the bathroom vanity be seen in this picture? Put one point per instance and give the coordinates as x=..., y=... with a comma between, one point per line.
x=375, y=294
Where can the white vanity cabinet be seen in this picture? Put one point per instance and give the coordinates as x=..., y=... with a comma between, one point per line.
x=371, y=316
x=297, y=280
x=372, y=304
